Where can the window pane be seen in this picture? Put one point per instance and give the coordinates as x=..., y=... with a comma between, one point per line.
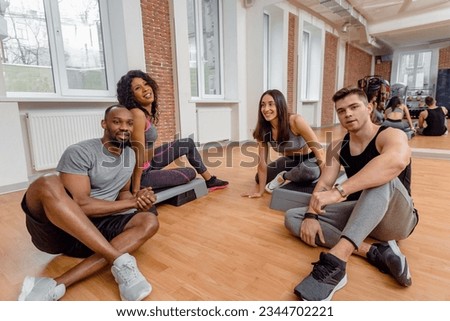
x=424, y=69
x=266, y=52
x=305, y=65
x=414, y=69
x=193, y=51
x=407, y=70
x=83, y=44
x=25, y=48
x=211, y=47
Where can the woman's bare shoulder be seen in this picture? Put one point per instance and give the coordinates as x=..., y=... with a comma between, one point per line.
x=138, y=114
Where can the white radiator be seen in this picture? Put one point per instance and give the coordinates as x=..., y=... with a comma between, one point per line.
x=50, y=133
x=213, y=124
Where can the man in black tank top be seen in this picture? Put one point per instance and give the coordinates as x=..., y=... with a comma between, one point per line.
x=375, y=201
x=434, y=118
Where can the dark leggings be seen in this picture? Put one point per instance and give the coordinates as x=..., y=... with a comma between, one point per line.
x=165, y=154
x=300, y=169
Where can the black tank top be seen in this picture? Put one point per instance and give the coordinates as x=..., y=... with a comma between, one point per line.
x=435, y=122
x=353, y=164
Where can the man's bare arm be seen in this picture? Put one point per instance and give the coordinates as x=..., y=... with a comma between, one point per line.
x=80, y=189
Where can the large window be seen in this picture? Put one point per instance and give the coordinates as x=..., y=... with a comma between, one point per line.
x=415, y=69
x=306, y=65
x=311, y=62
x=54, y=47
x=205, y=48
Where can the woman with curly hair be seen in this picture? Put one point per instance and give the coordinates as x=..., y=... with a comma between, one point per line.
x=137, y=91
x=290, y=135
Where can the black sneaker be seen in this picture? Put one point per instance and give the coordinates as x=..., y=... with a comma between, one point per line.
x=388, y=258
x=327, y=276
x=214, y=183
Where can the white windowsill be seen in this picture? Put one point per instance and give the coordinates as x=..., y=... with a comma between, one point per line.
x=59, y=99
x=213, y=101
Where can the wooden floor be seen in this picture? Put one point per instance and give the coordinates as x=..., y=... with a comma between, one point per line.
x=223, y=247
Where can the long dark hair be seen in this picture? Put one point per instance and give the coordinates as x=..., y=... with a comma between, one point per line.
x=126, y=98
x=394, y=102
x=263, y=130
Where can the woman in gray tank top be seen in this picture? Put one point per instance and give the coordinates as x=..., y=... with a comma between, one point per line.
x=395, y=115
x=137, y=91
x=290, y=135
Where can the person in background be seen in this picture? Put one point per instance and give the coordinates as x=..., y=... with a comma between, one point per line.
x=137, y=91
x=87, y=211
x=378, y=108
x=302, y=154
x=375, y=201
x=432, y=121
x=395, y=113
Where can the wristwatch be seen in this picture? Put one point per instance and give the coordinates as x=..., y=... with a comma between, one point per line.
x=340, y=190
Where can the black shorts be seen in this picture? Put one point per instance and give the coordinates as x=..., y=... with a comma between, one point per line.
x=51, y=239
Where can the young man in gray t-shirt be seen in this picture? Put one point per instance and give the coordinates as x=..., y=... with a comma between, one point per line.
x=88, y=211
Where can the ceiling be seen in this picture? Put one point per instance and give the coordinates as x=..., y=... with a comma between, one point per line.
x=380, y=26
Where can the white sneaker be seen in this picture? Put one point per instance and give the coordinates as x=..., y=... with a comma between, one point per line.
x=277, y=182
x=132, y=284
x=41, y=289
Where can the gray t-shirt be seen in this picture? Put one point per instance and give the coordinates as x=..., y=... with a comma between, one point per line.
x=108, y=173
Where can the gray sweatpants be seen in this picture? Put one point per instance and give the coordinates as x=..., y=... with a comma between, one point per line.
x=384, y=213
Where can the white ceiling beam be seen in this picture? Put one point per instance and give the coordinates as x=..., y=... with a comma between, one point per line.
x=419, y=19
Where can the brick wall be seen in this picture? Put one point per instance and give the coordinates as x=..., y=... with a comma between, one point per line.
x=384, y=69
x=292, y=61
x=159, y=63
x=357, y=65
x=444, y=58
x=329, y=79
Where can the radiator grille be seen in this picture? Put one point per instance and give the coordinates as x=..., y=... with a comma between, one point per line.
x=50, y=133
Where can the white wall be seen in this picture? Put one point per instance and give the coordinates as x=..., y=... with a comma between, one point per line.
x=234, y=66
x=255, y=58
x=13, y=169
x=127, y=35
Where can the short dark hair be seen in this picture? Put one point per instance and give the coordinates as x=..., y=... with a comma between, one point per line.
x=110, y=108
x=429, y=100
x=344, y=92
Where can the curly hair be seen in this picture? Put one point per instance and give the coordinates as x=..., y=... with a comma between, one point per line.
x=263, y=130
x=126, y=97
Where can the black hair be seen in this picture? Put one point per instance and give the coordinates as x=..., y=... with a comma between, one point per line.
x=111, y=107
x=344, y=92
x=126, y=98
x=394, y=102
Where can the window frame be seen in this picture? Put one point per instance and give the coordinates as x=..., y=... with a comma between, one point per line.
x=201, y=89
x=266, y=53
x=306, y=65
x=417, y=57
x=59, y=69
